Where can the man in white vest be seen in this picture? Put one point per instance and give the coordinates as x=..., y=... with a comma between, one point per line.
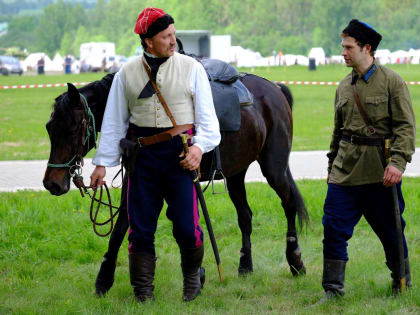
x=161, y=172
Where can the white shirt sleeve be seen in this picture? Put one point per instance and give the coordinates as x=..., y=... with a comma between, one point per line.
x=114, y=124
x=207, y=134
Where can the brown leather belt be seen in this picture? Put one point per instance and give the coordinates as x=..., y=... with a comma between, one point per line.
x=358, y=140
x=162, y=136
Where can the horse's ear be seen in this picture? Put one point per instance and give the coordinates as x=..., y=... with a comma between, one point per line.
x=73, y=94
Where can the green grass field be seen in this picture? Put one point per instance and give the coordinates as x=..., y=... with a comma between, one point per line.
x=24, y=112
x=49, y=258
x=49, y=255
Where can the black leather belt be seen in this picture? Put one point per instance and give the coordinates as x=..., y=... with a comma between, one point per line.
x=358, y=140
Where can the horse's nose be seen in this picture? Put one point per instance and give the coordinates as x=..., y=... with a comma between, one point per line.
x=53, y=187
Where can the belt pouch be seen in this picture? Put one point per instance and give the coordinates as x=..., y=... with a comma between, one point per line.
x=129, y=152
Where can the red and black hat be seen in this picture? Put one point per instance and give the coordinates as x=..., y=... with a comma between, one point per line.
x=363, y=33
x=152, y=21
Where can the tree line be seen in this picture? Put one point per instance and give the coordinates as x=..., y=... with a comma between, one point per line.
x=290, y=26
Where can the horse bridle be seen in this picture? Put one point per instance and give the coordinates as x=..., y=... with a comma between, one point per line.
x=75, y=165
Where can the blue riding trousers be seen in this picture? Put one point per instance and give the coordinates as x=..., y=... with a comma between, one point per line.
x=158, y=177
x=343, y=208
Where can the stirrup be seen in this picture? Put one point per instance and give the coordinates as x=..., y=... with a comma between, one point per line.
x=224, y=182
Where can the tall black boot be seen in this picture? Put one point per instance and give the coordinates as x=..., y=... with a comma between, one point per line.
x=333, y=279
x=394, y=267
x=142, y=274
x=193, y=273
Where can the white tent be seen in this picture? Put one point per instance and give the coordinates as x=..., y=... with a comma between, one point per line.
x=337, y=59
x=318, y=54
x=302, y=60
x=383, y=56
x=242, y=57
x=399, y=56
x=30, y=63
x=58, y=62
x=288, y=60
x=414, y=56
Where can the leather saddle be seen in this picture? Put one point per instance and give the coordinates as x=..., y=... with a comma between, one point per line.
x=228, y=92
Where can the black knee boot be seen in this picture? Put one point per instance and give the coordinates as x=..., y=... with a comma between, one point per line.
x=333, y=279
x=142, y=274
x=193, y=273
x=394, y=267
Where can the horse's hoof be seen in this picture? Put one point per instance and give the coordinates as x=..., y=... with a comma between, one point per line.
x=102, y=286
x=101, y=291
x=245, y=263
x=105, y=278
x=296, y=272
x=294, y=259
x=244, y=271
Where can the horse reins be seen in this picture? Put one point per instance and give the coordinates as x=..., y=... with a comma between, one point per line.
x=75, y=165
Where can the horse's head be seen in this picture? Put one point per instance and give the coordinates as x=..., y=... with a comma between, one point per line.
x=72, y=133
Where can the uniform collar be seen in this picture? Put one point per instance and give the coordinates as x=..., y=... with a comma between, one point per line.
x=365, y=76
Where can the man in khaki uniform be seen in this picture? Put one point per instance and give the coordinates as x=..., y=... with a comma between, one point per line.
x=357, y=182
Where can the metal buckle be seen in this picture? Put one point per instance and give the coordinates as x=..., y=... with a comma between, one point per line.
x=76, y=169
x=351, y=139
x=139, y=142
x=370, y=131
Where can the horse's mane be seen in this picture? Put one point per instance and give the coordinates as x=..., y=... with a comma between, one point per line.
x=96, y=92
x=99, y=88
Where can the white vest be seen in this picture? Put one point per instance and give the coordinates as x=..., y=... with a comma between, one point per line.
x=173, y=80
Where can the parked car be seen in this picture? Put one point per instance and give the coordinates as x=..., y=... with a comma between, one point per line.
x=9, y=65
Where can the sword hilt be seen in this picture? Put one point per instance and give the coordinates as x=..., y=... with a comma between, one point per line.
x=184, y=138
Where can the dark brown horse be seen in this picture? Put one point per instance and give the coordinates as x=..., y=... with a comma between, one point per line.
x=265, y=136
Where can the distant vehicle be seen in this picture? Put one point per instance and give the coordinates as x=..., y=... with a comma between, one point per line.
x=95, y=55
x=10, y=65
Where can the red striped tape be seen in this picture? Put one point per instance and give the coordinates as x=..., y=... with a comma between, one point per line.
x=33, y=86
x=330, y=83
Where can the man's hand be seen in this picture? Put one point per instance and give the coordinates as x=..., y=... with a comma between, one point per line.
x=97, y=177
x=392, y=176
x=193, y=160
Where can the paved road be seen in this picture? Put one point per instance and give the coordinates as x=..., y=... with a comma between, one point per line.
x=18, y=175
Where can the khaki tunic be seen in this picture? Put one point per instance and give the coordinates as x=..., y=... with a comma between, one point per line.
x=386, y=101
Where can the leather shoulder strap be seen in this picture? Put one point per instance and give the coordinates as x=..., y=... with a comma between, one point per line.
x=365, y=118
x=159, y=95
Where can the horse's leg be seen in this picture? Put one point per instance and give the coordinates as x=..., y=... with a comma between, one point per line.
x=237, y=193
x=292, y=202
x=105, y=278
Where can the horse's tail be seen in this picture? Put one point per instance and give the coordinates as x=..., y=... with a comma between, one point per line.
x=287, y=93
x=299, y=204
